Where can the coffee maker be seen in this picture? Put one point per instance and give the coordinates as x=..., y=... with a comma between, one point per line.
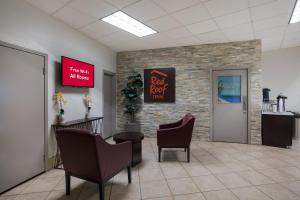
x=281, y=103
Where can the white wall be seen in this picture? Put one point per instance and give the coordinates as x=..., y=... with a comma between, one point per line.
x=281, y=73
x=23, y=25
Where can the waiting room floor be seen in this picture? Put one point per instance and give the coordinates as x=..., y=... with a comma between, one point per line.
x=216, y=171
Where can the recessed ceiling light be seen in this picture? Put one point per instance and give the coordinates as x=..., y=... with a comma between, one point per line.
x=296, y=13
x=127, y=23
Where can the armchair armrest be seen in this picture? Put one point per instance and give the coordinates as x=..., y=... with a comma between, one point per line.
x=114, y=157
x=170, y=125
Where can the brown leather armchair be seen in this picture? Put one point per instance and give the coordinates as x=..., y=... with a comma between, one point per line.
x=176, y=135
x=89, y=157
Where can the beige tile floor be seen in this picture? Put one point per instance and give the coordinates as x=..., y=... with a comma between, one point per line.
x=216, y=171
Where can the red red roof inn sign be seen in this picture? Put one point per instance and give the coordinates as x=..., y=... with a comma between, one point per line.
x=159, y=85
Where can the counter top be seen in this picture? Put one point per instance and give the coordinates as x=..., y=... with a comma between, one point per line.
x=278, y=113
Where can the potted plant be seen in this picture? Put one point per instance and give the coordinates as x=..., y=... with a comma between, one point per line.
x=88, y=104
x=132, y=93
x=60, y=101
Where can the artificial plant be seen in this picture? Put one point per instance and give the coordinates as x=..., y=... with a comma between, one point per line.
x=132, y=93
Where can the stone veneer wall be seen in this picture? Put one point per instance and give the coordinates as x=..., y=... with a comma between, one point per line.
x=193, y=83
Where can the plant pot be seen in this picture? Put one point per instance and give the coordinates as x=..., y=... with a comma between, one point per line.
x=133, y=126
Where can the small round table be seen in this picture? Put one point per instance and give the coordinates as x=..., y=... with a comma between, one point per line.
x=136, y=141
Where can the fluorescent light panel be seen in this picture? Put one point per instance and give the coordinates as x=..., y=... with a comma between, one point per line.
x=296, y=13
x=127, y=23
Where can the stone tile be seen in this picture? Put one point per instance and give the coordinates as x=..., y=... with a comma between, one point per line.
x=257, y=164
x=250, y=193
x=220, y=195
x=278, y=192
x=196, y=196
x=151, y=175
x=8, y=197
x=293, y=171
x=75, y=183
x=196, y=169
x=126, y=191
x=292, y=186
x=218, y=168
x=153, y=189
x=42, y=185
x=33, y=196
x=61, y=194
x=208, y=183
x=174, y=172
x=277, y=175
x=182, y=186
x=90, y=191
x=232, y=180
x=237, y=166
x=255, y=177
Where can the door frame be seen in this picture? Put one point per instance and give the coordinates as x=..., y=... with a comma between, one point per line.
x=45, y=73
x=212, y=101
x=113, y=74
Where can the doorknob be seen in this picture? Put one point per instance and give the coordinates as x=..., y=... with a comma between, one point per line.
x=245, y=104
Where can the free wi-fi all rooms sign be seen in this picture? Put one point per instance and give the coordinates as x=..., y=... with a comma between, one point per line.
x=159, y=85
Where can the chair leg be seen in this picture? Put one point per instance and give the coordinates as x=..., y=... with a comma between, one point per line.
x=188, y=154
x=101, y=191
x=184, y=149
x=159, y=152
x=129, y=173
x=68, y=183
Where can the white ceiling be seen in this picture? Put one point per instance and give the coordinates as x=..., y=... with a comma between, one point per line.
x=181, y=22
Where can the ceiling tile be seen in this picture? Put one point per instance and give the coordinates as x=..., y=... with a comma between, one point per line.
x=192, y=15
x=163, y=23
x=239, y=32
x=121, y=3
x=215, y=36
x=272, y=9
x=96, y=8
x=73, y=17
x=47, y=6
x=121, y=36
x=280, y=20
x=239, y=29
x=175, y=5
x=202, y=27
x=191, y=40
x=221, y=7
x=178, y=33
x=259, y=2
x=144, y=10
x=101, y=28
x=233, y=19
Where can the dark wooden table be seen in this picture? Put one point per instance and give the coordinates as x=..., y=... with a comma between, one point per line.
x=136, y=140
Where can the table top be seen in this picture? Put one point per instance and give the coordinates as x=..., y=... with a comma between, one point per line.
x=129, y=136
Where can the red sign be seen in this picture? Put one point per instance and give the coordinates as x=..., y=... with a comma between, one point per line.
x=77, y=73
x=159, y=85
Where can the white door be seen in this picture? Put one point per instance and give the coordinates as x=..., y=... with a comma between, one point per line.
x=230, y=106
x=22, y=145
x=109, y=109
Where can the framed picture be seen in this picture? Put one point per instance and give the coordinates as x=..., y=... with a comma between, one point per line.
x=229, y=89
x=159, y=85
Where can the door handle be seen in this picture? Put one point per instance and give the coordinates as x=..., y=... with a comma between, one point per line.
x=245, y=104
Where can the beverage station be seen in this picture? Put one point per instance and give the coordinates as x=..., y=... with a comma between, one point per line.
x=279, y=127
